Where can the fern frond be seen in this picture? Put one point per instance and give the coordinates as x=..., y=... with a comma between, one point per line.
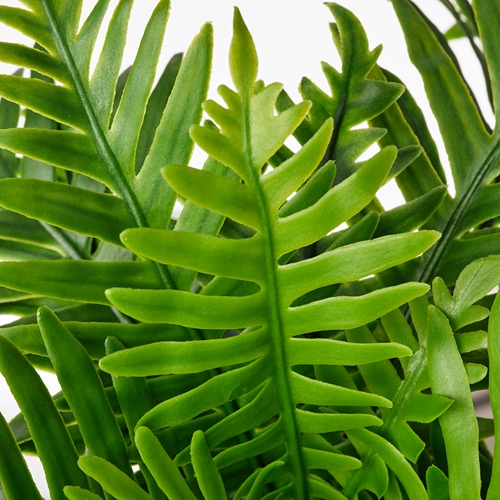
x=159, y=462
x=15, y=477
x=101, y=142
x=267, y=366
x=441, y=349
x=100, y=215
x=471, y=146
x=448, y=373
x=115, y=142
x=409, y=403
x=113, y=480
x=406, y=127
x=458, y=423
x=249, y=348
x=351, y=103
x=70, y=360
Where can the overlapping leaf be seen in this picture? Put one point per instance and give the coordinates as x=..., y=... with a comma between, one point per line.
x=447, y=336
x=464, y=219
x=451, y=331
x=355, y=97
x=100, y=137
x=359, y=82
x=90, y=154
x=410, y=405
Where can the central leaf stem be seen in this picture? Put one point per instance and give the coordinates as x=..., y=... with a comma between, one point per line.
x=462, y=205
x=121, y=184
x=295, y=457
x=394, y=416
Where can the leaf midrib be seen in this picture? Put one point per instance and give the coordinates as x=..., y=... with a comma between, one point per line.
x=121, y=183
x=436, y=254
x=123, y=186
x=400, y=400
x=295, y=455
x=340, y=111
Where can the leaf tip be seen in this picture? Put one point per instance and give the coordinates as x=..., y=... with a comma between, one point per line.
x=42, y=313
x=405, y=351
x=243, y=61
x=112, y=345
x=126, y=236
x=46, y=318
x=112, y=294
x=203, y=41
x=206, y=31
x=147, y=421
x=432, y=235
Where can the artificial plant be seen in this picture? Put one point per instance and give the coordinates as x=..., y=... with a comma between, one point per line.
x=246, y=347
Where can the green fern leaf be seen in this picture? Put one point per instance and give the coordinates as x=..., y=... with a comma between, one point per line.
x=101, y=141
x=409, y=405
x=494, y=351
x=156, y=458
x=63, y=278
x=350, y=104
x=260, y=365
x=255, y=350
x=76, y=493
x=100, y=215
x=406, y=127
x=471, y=146
x=97, y=422
x=459, y=423
x=15, y=477
x=394, y=459
x=207, y=475
x=449, y=375
x=27, y=336
x=112, y=479
x=53, y=442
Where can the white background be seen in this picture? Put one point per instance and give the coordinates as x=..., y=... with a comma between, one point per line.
x=292, y=38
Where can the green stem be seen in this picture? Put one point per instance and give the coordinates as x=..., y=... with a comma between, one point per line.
x=68, y=245
x=401, y=398
x=295, y=456
x=435, y=255
x=121, y=183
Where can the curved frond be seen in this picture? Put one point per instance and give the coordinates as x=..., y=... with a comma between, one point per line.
x=471, y=146
x=353, y=100
x=450, y=376
x=266, y=369
x=100, y=139
x=70, y=360
x=86, y=160
x=53, y=442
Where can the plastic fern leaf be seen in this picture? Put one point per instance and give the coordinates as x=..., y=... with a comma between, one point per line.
x=260, y=366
